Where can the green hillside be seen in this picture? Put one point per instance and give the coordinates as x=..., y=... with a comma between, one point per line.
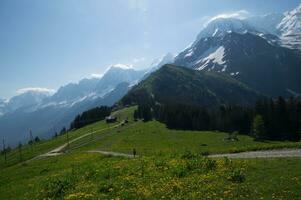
x=170, y=166
x=182, y=85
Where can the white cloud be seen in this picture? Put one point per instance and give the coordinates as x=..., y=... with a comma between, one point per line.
x=123, y=66
x=35, y=89
x=241, y=14
x=96, y=75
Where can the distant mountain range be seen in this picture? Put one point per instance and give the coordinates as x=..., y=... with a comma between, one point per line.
x=45, y=114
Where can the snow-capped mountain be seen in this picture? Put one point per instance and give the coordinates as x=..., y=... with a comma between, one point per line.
x=266, y=23
x=94, y=88
x=156, y=64
x=221, y=26
x=278, y=28
x=290, y=28
x=44, y=113
x=73, y=92
x=26, y=100
x=117, y=74
x=244, y=51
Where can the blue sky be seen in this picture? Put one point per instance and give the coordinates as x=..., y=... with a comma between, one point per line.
x=50, y=43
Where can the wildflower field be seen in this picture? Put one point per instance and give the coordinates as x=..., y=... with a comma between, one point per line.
x=170, y=165
x=185, y=176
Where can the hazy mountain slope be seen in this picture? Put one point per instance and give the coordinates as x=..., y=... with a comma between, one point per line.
x=26, y=100
x=117, y=74
x=47, y=115
x=45, y=121
x=173, y=84
x=74, y=91
x=2, y=106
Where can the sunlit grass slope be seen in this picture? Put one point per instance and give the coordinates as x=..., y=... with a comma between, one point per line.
x=153, y=137
x=81, y=175
x=45, y=146
x=170, y=166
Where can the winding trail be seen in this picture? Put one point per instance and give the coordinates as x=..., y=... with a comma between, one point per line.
x=280, y=153
x=277, y=153
x=61, y=149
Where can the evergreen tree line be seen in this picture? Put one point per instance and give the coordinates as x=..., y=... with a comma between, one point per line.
x=90, y=116
x=144, y=112
x=269, y=119
x=282, y=118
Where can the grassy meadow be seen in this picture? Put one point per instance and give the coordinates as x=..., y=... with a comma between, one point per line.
x=170, y=166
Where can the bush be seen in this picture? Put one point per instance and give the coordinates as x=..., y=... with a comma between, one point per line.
x=233, y=136
x=179, y=171
x=160, y=163
x=106, y=187
x=205, y=153
x=209, y=164
x=237, y=176
x=227, y=162
x=188, y=155
x=193, y=164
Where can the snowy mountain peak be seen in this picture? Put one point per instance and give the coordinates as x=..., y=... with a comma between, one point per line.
x=117, y=74
x=296, y=11
x=27, y=98
x=222, y=26
x=290, y=28
x=266, y=23
x=291, y=23
x=158, y=63
x=167, y=58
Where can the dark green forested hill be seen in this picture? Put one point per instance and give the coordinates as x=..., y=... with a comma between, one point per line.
x=174, y=84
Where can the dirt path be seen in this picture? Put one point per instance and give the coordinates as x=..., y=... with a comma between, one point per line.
x=61, y=149
x=280, y=153
x=111, y=153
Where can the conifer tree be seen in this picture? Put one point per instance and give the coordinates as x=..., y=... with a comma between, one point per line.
x=258, y=128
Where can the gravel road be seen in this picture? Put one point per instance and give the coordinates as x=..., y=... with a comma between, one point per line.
x=280, y=153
